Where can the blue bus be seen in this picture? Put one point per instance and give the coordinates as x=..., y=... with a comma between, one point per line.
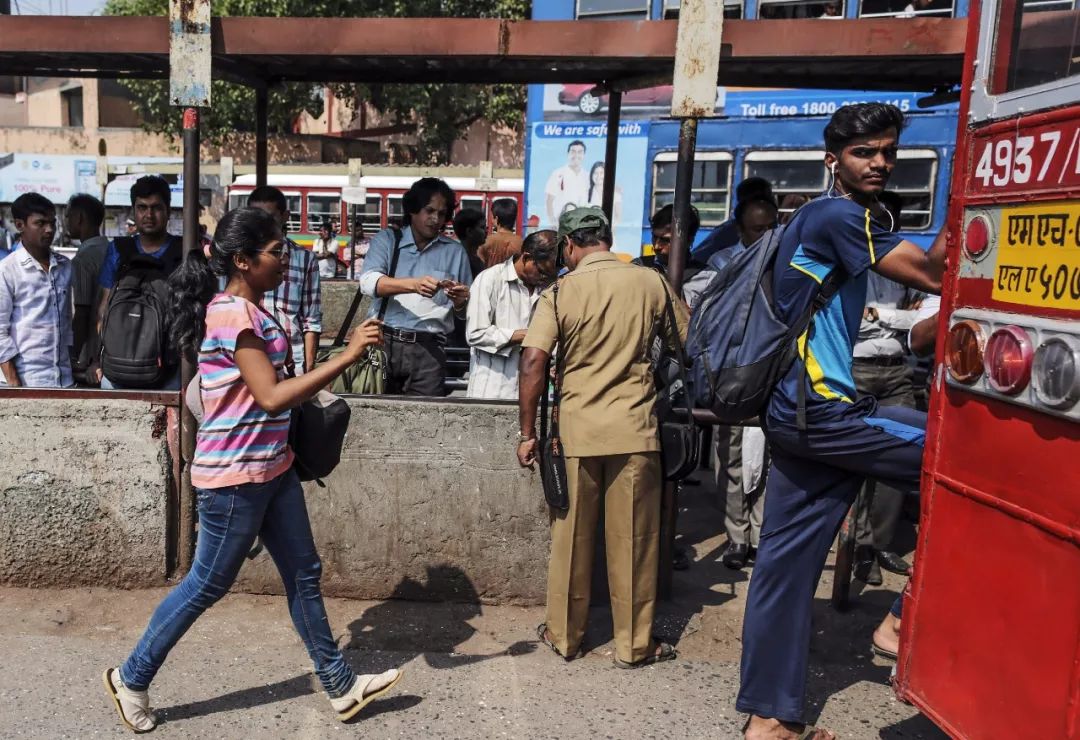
x=775, y=134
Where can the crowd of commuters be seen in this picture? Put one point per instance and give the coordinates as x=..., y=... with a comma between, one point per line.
x=554, y=309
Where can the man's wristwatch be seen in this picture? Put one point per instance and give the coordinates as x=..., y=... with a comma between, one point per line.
x=525, y=437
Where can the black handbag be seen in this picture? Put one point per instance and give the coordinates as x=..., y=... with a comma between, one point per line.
x=552, y=458
x=680, y=436
x=317, y=434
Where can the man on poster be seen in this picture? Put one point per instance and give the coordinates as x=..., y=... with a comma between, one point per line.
x=568, y=186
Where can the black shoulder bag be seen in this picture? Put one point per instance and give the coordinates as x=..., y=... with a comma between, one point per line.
x=552, y=457
x=680, y=437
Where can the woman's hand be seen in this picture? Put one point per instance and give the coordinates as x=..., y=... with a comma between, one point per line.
x=368, y=334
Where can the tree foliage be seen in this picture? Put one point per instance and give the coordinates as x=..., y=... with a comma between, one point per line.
x=441, y=112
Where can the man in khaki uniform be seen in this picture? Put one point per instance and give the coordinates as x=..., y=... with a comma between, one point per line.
x=608, y=313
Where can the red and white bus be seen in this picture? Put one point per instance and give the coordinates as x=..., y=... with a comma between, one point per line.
x=317, y=199
x=991, y=630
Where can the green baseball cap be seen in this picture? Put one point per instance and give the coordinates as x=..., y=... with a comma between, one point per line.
x=588, y=217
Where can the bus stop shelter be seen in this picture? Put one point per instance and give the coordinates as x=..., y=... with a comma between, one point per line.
x=867, y=54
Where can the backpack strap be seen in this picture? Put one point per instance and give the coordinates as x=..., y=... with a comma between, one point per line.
x=680, y=353
x=829, y=287
x=173, y=256
x=559, y=358
x=127, y=249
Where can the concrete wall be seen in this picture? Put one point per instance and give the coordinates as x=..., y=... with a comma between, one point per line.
x=83, y=493
x=428, y=502
x=337, y=296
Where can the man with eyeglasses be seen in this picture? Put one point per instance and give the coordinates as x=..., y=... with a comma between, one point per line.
x=150, y=200
x=296, y=303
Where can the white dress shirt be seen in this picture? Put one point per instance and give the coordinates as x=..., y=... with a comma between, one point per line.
x=882, y=338
x=35, y=319
x=500, y=304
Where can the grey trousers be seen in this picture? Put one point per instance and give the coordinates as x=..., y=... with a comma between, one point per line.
x=742, y=510
x=878, y=506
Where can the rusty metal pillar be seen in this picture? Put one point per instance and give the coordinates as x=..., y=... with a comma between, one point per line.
x=189, y=88
x=185, y=546
x=697, y=66
x=262, y=160
x=611, y=153
x=684, y=180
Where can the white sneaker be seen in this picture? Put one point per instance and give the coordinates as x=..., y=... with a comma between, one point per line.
x=366, y=689
x=133, y=706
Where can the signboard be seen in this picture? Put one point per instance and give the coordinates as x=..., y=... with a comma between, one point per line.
x=1027, y=159
x=57, y=177
x=1038, y=258
x=697, y=58
x=565, y=169
x=189, y=53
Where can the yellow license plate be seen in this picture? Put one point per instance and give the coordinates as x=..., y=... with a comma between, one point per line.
x=1038, y=256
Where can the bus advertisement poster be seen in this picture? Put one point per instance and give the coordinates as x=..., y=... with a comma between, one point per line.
x=565, y=170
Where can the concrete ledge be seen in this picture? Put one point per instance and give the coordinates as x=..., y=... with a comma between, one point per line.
x=336, y=297
x=428, y=503
x=84, y=492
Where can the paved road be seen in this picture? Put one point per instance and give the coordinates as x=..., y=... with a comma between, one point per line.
x=471, y=671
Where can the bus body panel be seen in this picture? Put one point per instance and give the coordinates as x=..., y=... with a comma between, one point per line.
x=990, y=643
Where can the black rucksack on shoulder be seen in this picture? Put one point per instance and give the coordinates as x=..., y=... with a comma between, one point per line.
x=135, y=347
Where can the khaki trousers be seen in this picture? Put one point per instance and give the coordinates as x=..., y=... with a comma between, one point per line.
x=629, y=487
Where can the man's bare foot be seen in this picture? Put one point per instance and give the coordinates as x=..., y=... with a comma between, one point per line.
x=762, y=728
x=887, y=635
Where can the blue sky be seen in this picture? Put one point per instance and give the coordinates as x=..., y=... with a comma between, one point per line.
x=58, y=7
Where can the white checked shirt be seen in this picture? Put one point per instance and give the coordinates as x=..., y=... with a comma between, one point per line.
x=499, y=304
x=35, y=319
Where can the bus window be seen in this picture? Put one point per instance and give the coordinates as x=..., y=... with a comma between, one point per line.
x=801, y=9
x=709, y=191
x=906, y=8
x=322, y=208
x=804, y=173
x=790, y=173
x=1036, y=43
x=292, y=202
x=622, y=10
x=913, y=180
x=369, y=215
x=395, y=212
x=733, y=9
x=237, y=200
x=473, y=201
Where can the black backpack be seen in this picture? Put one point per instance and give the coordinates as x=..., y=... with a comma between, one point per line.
x=135, y=347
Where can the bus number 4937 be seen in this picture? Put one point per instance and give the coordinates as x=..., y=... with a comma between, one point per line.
x=1024, y=159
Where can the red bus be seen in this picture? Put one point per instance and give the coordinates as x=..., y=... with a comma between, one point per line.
x=990, y=644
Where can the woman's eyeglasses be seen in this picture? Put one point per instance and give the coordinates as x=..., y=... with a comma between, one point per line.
x=280, y=253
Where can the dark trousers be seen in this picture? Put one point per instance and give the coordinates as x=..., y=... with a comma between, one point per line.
x=879, y=506
x=416, y=368
x=813, y=480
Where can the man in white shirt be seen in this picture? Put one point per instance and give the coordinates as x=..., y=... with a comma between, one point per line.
x=35, y=302
x=502, y=302
x=325, y=249
x=568, y=186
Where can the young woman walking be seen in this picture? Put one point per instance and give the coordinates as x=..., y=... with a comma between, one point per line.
x=242, y=468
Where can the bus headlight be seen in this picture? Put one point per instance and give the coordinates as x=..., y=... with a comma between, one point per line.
x=1054, y=372
x=1008, y=360
x=964, y=351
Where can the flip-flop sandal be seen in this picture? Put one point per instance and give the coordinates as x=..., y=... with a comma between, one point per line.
x=541, y=635
x=807, y=734
x=107, y=678
x=667, y=652
x=882, y=652
x=346, y=714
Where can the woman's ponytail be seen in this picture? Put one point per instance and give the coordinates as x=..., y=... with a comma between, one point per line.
x=191, y=287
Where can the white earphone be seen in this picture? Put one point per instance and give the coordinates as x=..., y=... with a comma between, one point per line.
x=832, y=167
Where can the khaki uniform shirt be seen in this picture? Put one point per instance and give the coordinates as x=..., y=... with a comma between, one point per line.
x=609, y=312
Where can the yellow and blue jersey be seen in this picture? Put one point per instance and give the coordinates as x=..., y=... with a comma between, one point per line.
x=828, y=233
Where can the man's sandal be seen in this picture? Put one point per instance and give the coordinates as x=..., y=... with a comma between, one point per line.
x=808, y=733
x=542, y=636
x=667, y=652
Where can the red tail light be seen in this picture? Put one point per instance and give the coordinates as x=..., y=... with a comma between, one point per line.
x=964, y=351
x=1008, y=360
x=977, y=237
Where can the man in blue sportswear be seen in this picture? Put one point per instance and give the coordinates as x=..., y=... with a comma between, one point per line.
x=816, y=472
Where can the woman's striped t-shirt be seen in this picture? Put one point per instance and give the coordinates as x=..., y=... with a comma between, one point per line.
x=237, y=441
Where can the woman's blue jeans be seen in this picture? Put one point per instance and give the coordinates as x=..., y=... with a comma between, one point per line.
x=229, y=520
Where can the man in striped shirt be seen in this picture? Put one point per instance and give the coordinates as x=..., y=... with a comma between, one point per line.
x=502, y=302
x=296, y=303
